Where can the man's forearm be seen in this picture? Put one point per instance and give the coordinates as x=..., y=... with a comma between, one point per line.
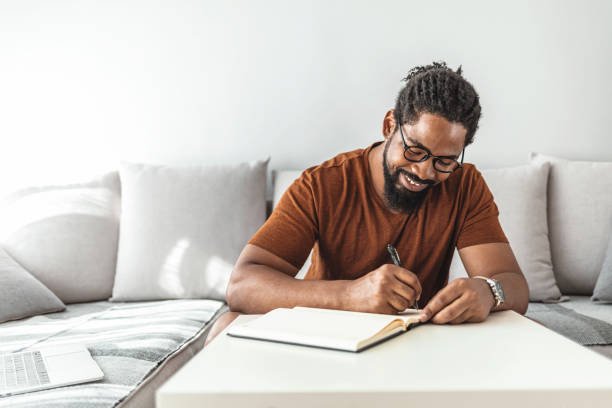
x=515, y=291
x=266, y=289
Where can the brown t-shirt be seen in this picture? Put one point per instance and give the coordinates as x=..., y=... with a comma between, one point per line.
x=334, y=207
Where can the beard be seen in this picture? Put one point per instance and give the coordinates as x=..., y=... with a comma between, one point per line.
x=400, y=198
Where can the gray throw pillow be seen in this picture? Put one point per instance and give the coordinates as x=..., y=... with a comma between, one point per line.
x=603, y=287
x=21, y=295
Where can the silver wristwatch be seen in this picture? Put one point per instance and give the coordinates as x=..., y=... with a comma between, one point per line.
x=496, y=288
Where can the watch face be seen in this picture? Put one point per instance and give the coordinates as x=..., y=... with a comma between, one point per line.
x=500, y=290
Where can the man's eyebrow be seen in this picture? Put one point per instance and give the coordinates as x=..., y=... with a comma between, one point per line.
x=419, y=144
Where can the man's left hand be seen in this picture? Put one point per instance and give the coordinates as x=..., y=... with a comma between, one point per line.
x=462, y=300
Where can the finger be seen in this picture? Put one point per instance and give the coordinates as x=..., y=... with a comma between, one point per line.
x=463, y=317
x=405, y=291
x=451, y=311
x=397, y=302
x=409, y=278
x=443, y=298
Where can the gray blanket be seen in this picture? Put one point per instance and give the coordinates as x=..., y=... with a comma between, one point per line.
x=127, y=340
x=578, y=327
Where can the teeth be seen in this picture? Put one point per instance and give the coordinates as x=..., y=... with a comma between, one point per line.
x=412, y=182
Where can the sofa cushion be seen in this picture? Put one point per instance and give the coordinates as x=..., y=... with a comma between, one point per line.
x=133, y=343
x=66, y=236
x=22, y=295
x=579, y=220
x=603, y=287
x=183, y=227
x=520, y=194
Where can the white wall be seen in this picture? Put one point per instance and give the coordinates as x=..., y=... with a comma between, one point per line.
x=84, y=84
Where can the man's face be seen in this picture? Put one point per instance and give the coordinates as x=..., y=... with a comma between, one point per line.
x=407, y=183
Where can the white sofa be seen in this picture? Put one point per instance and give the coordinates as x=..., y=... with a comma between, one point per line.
x=159, y=313
x=133, y=265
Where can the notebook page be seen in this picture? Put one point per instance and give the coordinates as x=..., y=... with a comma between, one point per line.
x=320, y=327
x=407, y=316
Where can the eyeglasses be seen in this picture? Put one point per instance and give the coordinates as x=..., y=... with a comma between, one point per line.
x=419, y=154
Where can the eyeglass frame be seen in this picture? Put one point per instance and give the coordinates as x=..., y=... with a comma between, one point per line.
x=429, y=154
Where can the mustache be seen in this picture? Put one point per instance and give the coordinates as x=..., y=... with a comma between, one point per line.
x=415, y=177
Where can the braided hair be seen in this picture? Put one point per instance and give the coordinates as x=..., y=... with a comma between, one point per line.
x=439, y=90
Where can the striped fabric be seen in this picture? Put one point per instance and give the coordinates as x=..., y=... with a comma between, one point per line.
x=582, y=329
x=127, y=340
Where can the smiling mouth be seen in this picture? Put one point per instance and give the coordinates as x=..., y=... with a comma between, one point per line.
x=411, y=184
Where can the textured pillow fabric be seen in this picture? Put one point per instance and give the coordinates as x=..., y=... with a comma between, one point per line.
x=21, y=295
x=182, y=228
x=579, y=220
x=66, y=236
x=603, y=286
x=520, y=195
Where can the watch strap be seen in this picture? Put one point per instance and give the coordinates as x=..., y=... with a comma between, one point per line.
x=493, y=285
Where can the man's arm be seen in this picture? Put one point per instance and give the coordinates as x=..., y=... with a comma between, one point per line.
x=262, y=281
x=497, y=261
x=471, y=299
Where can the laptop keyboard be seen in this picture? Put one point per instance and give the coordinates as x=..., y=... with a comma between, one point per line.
x=19, y=370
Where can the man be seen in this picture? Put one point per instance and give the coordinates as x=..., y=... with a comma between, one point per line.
x=411, y=191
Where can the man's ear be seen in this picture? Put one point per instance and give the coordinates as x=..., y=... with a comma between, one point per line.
x=389, y=124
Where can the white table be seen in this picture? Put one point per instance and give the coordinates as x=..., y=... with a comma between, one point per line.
x=507, y=361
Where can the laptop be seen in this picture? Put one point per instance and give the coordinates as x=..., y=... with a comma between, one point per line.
x=35, y=370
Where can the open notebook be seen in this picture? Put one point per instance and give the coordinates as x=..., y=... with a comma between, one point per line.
x=326, y=328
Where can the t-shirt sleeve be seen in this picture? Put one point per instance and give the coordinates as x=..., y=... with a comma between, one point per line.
x=292, y=228
x=481, y=224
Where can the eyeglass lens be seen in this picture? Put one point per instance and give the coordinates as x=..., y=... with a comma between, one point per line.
x=416, y=154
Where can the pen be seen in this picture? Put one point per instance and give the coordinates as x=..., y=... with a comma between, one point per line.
x=396, y=261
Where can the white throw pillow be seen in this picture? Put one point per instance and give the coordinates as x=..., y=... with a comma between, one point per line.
x=520, y=195
x=66, y=236
x=579, y=220
x=183, y=227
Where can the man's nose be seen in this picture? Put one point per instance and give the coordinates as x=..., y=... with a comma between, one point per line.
x=425, y=170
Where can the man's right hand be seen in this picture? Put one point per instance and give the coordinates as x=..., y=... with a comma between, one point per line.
x=389, y=289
